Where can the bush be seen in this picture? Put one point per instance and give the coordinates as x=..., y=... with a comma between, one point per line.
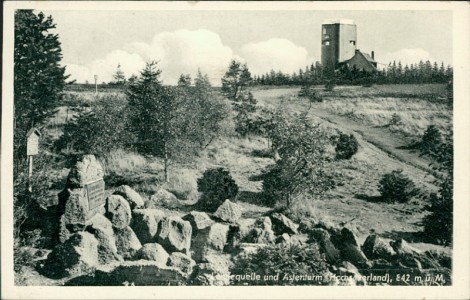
x=309, y=93
x=431, y=140
x=245, y=106
x=98, y=129
x=281, y=260
x=301, y=148
x=216, y=185
x=330, y=85
x=438, y=224
x=395, y=120
x=346, y=146
x=396, y=187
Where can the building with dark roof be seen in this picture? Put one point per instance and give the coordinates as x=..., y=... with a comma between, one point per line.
x=339, y=40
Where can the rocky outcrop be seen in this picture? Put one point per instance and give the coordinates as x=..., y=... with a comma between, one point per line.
x=322, y=237
x=141, y=273
x=127, y=243
x=154, y=252
x=162, y=198
x=261, y=232
x=102, y=230
x=86, y=170
x=182, y=262
x=228, y=212
x=175, y=234
x=146, y=223
x=375, y=247
x=213, y=237
x=282, y=224
x=77, y=256
x=198, y=220
x=118, y=211
x=283, y=239
x=131, y=196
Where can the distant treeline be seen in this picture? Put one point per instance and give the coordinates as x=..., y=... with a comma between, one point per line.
x=422, y=72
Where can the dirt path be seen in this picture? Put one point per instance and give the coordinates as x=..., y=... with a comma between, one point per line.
x=380, y=137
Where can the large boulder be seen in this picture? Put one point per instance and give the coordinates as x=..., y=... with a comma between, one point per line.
x=74, y=212
x=261, y=232
x=211, y=238
x=402, y=248
x=143, y=273
x=175, y=234
x=348, y=237
x=76, y=256
x=322, y=237
x=134, y=199
x=162, y=198
x=87, y=169
x=182, y=262
x=411, y=257
x=228, y=212
x=127, y=243
x=155, y=252
x=375, y=247
x=282, y=224
x=102, y=229
x=198, y=220
x=214, y=271
x=206, y=275
x=146, y=223
x=353, y=254
x=118, y=211
x=283, y=239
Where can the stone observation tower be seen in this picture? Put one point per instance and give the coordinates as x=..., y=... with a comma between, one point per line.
x=338, y=46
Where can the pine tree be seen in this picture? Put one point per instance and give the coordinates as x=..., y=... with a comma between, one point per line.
x=38, y=76
x=184, y=80
x=245, y=108
x=119, y=77
x=235, y=80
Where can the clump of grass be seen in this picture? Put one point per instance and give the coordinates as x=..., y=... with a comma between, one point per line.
x=183, y=184
x=122, y=161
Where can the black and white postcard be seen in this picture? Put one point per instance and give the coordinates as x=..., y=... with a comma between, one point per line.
x=234, y=150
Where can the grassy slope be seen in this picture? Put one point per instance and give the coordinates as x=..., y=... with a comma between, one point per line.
x=379, y=153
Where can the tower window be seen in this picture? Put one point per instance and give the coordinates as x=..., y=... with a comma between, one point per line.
x=326, y=43
x=324, y=30
x=352, y=42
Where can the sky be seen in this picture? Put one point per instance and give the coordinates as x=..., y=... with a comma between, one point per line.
x=95, y=42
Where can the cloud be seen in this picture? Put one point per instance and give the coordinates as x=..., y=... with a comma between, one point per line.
x=184, y=51
x=276, y=54
x=131, y=63
x=406, y=56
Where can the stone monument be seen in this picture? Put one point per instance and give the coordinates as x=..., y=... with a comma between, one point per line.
x=82, y=198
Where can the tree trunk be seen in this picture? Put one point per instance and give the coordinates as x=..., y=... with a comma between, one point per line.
x=166, y=161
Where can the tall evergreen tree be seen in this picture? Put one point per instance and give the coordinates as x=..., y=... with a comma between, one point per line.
x=39, y=78
x=119, y=77
x=235, y=80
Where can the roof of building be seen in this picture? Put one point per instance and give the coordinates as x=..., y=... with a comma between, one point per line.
x=368, y=57
x=339, y=21
x=33, y=130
